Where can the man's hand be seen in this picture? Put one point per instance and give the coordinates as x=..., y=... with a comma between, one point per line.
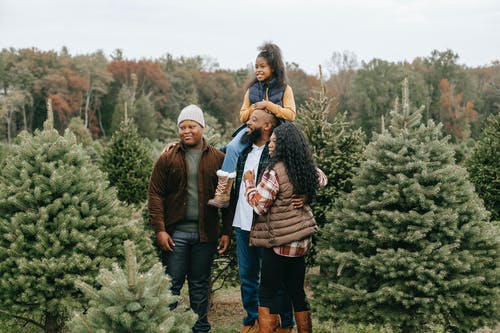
x=224, y=243
x=168, y=147
x=165, y=241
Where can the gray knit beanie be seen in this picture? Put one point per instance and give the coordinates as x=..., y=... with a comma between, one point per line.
x=191, y=112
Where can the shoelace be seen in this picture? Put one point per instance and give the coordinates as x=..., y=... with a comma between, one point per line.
x=220, y=187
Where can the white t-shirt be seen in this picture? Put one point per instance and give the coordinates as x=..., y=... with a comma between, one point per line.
x=243, y=215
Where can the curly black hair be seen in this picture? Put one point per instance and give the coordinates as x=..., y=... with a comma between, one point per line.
x=292, y=148
x=272, y=53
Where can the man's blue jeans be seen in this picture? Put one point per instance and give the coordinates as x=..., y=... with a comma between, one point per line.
x=193, y=260
x=249, y=262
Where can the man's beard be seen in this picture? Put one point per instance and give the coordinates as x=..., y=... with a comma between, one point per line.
x=251, y=137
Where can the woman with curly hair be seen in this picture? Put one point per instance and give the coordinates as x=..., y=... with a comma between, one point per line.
x=284, y=231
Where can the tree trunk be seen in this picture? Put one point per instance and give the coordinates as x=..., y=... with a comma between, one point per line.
x=25, y=121
x=87, y=106
x=8, y=121
x=54, y=323
x=100, y=122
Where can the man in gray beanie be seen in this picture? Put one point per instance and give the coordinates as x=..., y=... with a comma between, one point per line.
x=191, y=112
x=187, y=229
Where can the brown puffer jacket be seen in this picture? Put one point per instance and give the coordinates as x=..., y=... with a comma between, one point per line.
x=283, y=224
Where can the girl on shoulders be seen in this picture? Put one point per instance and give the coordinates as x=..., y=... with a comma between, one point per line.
x=267, y=91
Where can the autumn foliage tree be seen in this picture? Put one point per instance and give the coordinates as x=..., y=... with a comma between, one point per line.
x=90, y=86
x=141, y=78
x=455, y=114
x=93, y=68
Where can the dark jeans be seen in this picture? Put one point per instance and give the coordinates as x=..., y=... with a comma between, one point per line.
x=249, y=264
x=277, y=271
x=192, y=259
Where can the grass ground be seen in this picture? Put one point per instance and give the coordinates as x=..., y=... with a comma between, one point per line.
x=226, y=313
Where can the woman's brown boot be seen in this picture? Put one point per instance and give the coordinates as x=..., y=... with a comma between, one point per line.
x=304, y=323
x=267, y=322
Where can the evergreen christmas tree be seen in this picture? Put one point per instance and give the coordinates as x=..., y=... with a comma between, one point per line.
x=214, y=131
x=127, y=161
x=59, y=221
x=130, y=301
x=168, y=130
x=84, y=137
x=81, y=132
x=337, y=148
x=145, y=117
x=484, y=166
x=411, y=245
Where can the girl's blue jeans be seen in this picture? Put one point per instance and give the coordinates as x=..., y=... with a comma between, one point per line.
x=233, y=151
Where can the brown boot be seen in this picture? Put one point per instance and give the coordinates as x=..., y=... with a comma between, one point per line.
x=267, y=322
x=304, y=323
x=284, y=330
x=254, y=328
x=223, y=190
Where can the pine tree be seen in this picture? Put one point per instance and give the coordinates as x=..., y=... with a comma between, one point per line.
x=484, y=166
x=128, y=163
x=59, y=221
x=214, y=131
x=81, y=133
x=130, y=301
x=3, y=151
x=125, y=103
x=337, y=148
x=145, y=117
x=168, y=131
x=411, y=245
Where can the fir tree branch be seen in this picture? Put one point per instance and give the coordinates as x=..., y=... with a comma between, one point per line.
x=28, y=320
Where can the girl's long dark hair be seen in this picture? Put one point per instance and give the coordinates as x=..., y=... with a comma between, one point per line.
x=272, y=53
x=292, y=148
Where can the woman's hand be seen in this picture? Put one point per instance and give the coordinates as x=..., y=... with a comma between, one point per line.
x=248, y=175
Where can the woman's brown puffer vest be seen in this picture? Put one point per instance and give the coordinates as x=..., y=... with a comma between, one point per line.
x=283, y=224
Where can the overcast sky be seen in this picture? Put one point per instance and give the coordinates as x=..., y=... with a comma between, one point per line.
x=229, y=31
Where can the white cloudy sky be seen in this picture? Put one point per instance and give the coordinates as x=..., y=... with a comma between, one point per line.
x=229, y=31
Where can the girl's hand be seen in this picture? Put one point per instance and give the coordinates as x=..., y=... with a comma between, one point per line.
x=262, y=105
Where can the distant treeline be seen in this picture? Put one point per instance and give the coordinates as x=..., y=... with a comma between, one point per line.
x=100, y=89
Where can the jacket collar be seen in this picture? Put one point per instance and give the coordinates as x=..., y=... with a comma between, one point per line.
x=183, y=147
x=273, y=83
